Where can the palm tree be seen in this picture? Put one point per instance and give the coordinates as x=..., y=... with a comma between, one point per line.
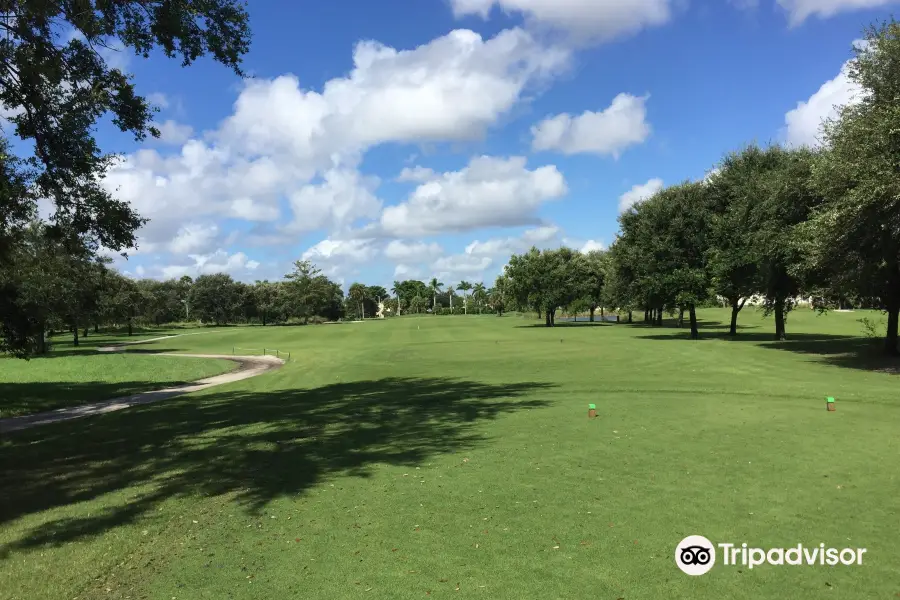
x=464, y=286
x=358, y=292
x=435, y=287
x=396, y=290
x=450, y=293
x=479, y=293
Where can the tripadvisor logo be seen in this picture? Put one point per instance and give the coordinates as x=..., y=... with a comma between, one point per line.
x=696, y=555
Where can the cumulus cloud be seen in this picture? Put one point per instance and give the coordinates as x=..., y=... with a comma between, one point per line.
x=332, y=251
x=494, y=247
x=639, y=193
x=452, y=88
x=284, y=144
x=343, y=197
x=599, y=20
x=489, y=192
x=174, y=133
x=403, y=252
x=608, y=132
x=803, y=124
x=238, y=265
x=461, y=266
x=417, y=174
x=800, y=10
x=591, y=246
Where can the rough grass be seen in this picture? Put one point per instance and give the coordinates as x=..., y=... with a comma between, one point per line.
x=452, y=457
x=67, y=377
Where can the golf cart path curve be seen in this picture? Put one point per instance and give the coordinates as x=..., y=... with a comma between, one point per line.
x=248, y=366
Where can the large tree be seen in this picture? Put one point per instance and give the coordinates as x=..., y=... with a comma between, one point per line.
x=56, y=86
x=854, y=237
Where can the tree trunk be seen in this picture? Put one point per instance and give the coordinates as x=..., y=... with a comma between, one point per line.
x=96, y=328
x=779, y=320
x=602, y=313
x=735, y=309
x=695, y=333
x=592, y=314
x=86, y=329
x=540, y=312
x=75, y=332
x=680, y=317
x=547, y=319
x=659, y=316
x=130, y=328
x=629, y=317
x=890, y=340
x=646, y=315
x=43, y=341
x=264, y=318
x=553, y=318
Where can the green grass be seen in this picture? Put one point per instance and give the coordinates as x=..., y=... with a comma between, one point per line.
x=70, y=377
x=404, y=458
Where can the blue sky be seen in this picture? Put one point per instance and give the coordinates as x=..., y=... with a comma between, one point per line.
x=420, y=138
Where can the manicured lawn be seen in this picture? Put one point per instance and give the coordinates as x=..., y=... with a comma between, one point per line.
x=412, y=457
x=48, y=383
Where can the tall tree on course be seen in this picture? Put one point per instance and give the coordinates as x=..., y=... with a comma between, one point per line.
x=450, y=294
x=498, y=295
x=396, y=289
x=479, y=294
x=216, y=298
x=596, y=265
x=786, y=199
x=546, y=280
x=266, y=295
x=734, y=189
x=464, y=286
x=435, y=287
x=358, y=293
x=56, y=88
x=854, y=237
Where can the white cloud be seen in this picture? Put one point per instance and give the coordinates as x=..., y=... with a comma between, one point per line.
x=592, y=245
x=417, y=174
x=171, y=132
x=402, y=252
x=158, y=99
x=800, y=10
x=609, y=132
x=452, y=88
x=194, y=238
x=595, y=19
x=404, y=272
x=343, y=197
x=341, y=251
x=804, y=123
x=639, y=193
x=238, y=265
x=488, y=192
x=461, y=265
x=513, y=245
x=283, y=142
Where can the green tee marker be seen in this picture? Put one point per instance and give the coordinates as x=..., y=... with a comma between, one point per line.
x=594, y=406
x=829, y=399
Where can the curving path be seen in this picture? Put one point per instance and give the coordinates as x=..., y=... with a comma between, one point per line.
x=248, y=366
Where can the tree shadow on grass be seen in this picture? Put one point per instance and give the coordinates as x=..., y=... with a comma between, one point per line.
x=852, y=352
x=255, y=445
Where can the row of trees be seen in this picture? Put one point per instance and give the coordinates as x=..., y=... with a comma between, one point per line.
x=776, y=223
x=63, y=285
x=416, y=296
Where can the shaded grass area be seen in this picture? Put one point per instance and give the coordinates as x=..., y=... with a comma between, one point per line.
x=453, y=458
x=48, y=383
